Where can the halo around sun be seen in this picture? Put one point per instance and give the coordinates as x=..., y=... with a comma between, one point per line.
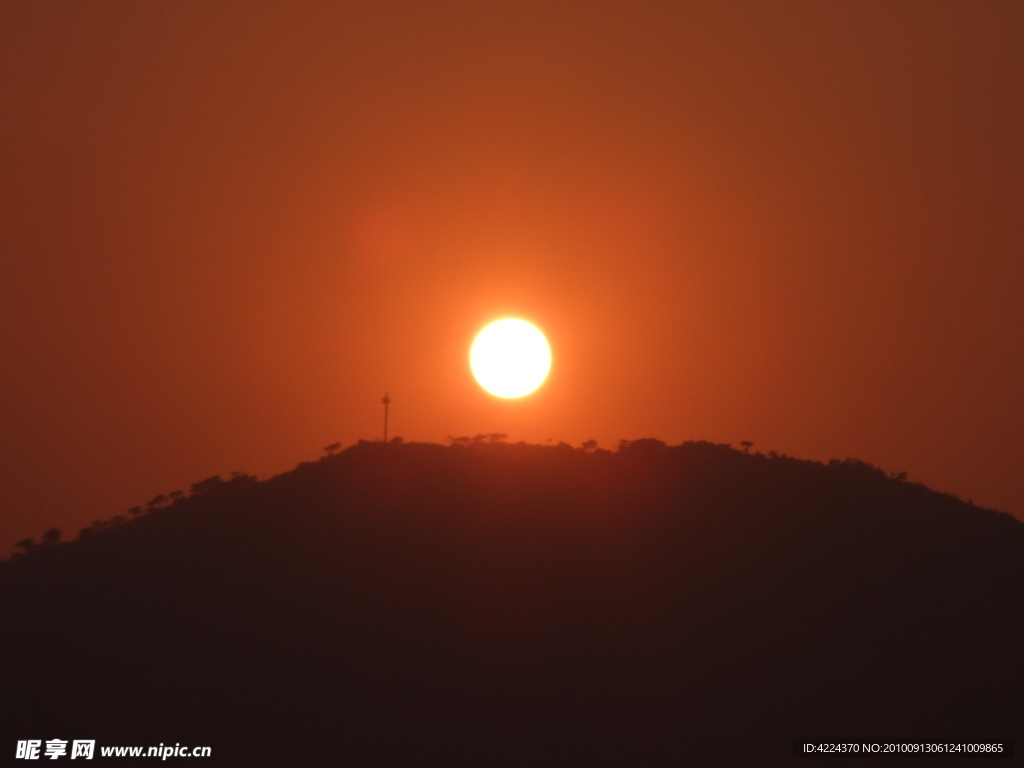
x=510, y=358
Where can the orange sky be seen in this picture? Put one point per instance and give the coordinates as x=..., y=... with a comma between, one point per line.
x=227, y=228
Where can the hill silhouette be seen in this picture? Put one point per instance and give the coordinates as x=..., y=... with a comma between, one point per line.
x=493, y=604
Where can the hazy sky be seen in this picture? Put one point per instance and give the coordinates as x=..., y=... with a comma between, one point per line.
x=227, y=228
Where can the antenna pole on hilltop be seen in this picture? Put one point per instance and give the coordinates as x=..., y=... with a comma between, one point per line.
x=387, y=402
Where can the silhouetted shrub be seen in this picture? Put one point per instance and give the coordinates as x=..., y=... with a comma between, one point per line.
x=51, y=537
x=209, y=485
x=26, y=545
x=641, y=446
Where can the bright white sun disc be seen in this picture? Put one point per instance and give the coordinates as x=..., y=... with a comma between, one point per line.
x=510, y=358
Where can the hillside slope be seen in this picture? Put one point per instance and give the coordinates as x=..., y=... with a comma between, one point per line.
x=524, y=605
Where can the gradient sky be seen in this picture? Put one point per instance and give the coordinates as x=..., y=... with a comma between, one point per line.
x=227, y=228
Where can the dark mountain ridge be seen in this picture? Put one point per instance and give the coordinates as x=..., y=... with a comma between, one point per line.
x=492, y=604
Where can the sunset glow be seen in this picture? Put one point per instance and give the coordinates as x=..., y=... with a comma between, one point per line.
x=630, y=382
x=227, y=233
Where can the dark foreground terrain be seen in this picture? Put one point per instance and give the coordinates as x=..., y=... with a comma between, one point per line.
x=513, y=605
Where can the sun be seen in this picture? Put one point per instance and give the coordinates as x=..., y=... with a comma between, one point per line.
x=510, y=358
